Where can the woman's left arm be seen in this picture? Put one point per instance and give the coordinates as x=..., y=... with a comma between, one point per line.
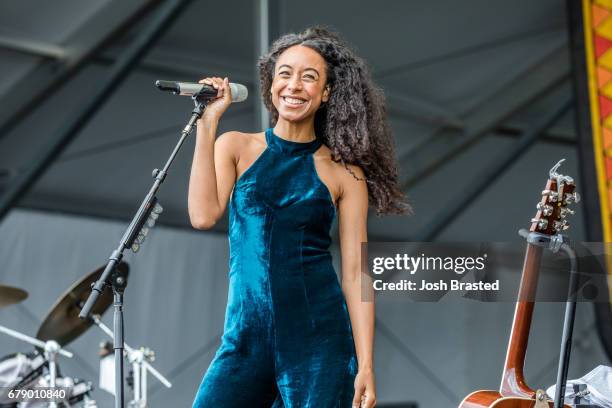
x=353, y=214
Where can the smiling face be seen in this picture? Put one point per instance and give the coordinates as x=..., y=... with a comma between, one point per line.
x=299, y=84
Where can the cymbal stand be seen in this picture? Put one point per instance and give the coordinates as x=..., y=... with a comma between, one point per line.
x=35, y=342
x=51, y=350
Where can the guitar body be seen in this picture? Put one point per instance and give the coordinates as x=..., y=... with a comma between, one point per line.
x=493, y=399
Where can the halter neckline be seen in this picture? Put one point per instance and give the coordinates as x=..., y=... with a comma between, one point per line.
x=287, y=146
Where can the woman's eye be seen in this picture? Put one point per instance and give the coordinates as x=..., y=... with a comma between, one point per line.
x=309, y=77
x=284, y=74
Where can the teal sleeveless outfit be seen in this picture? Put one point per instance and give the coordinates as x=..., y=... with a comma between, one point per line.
x=287, y=339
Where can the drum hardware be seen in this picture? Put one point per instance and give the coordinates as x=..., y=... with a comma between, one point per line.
x=51, y=350
x=140, y=360
x=77, y=392
x=53, y=347
x=19, y=371
x=61, y=326
x=62, y=322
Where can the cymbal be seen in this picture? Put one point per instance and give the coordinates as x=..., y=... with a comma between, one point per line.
x=62, y=322
x=10, y=295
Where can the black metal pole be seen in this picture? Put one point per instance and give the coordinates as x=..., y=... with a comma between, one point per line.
x=118, y=340
x=568, y=328
x=159, y=24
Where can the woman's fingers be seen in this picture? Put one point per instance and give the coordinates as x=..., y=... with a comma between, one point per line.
x=216, y=83
x=223, y=89
x=364, y=398
x=357, y=399
x=226, y=88
x=368, y=401
x=217, y=105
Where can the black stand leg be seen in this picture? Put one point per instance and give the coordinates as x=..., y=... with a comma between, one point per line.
x=568, y=328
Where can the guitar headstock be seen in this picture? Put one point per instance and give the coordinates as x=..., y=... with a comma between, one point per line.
x=553, y=210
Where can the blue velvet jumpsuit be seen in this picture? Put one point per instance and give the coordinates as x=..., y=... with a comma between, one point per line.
x=287, y=338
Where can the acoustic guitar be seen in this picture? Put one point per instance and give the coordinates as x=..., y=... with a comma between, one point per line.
x=549, y=220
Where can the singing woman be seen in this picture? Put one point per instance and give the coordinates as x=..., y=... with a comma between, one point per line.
x=293, y=336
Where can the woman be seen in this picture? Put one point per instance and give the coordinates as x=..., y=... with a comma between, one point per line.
x=291, y=338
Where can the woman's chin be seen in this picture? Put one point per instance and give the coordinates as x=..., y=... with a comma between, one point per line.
x=293, y=117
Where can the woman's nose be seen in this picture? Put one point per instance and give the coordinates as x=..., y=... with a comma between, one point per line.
x=295, y=83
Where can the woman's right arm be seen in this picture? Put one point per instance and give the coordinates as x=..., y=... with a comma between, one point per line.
x=213, y=170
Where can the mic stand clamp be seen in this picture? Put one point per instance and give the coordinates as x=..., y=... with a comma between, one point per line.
x=551, y=242
x=134, y=235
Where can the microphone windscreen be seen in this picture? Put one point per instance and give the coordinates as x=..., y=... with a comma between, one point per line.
x=239, y=92
x=167, y=86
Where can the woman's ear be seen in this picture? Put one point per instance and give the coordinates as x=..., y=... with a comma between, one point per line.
x=326, y=93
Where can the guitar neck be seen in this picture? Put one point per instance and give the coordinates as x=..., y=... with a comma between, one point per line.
x=513, y=381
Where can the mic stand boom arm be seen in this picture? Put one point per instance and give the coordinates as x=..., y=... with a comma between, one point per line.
x=118, y=282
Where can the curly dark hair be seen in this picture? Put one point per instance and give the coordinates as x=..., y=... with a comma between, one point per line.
x=353, y=123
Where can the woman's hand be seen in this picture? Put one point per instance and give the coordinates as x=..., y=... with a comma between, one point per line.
x=216, y=107
x=365, y=390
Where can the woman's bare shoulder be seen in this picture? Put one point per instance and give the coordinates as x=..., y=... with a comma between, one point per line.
x=236, y=142
x=340, y=171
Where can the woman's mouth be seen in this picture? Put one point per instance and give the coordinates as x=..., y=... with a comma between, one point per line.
x=294, y=102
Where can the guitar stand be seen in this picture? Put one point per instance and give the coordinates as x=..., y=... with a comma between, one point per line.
x=555, y=243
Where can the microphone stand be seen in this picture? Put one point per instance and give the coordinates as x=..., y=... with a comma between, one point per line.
x=132, y=238
x=555, y=243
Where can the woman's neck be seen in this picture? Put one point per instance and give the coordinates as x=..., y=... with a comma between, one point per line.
x=295, y=131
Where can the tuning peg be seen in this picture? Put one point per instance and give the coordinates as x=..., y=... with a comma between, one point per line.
x=545, y=208
x=135, y=247
x=553, y=195
x=560, y=225
x=573, y=197
x=564, y=212
x=542, y=222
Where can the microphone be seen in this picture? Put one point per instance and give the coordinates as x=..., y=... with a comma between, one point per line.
x=239, y=91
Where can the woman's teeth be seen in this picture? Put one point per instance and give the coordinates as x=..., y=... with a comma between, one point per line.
x=293, y=101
